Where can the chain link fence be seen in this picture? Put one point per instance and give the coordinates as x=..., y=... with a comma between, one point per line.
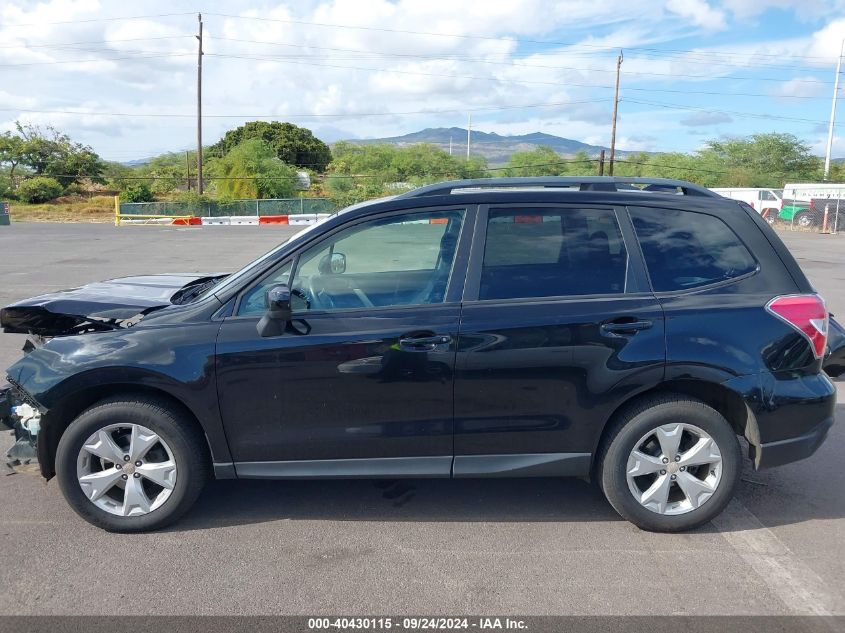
x=812, y=208
x=257, y=208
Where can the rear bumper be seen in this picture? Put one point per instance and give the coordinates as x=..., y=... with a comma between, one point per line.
x=792, y=449
x=789, y=416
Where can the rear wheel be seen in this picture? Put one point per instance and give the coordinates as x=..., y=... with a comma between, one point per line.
x=131, y=465
x=670, y=464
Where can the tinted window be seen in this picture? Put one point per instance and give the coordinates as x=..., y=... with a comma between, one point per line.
x=547, y=252
x=767, y=195
x=254, y=299
x=401, y=260
x=684, y=249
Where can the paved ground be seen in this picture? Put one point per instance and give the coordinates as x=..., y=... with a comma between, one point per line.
x=422, y=547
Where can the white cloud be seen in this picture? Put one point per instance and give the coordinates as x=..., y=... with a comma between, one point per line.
x=699, y=12
x=803, y=9
x=277, y=65
x=804, y=86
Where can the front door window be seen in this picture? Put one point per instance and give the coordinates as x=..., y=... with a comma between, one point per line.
x=395, y=261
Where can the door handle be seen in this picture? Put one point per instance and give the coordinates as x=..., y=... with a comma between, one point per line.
x=423, y=343
x=625, y=327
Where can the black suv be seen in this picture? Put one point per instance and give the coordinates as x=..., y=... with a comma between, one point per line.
x=527, y=327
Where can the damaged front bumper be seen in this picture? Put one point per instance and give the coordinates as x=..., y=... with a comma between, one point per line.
x=24, y=421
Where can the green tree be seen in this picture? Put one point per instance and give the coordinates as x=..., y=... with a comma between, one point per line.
x=11, y=154
x=139, y=192
x=761, y=160
x=168, y=172
x=48, y=152
x=292, y=144
x=118, y=175
x=39, y=189
x=542, y=161
x=252, y=170
x=362, y=172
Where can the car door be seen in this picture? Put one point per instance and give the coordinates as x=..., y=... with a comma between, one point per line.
x=558, y=327
x=361, y=381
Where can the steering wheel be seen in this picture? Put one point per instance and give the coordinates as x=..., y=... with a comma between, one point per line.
x=318, y=302
x=321, y=298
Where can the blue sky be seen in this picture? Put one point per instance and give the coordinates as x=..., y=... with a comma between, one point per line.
x=693, y=69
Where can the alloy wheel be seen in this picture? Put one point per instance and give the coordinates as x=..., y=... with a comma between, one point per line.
x=126, y=470
x=674, y=469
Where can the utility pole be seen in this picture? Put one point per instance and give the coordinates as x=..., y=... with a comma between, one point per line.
x=199, y=105
x=601, y=163
x=450, y=145
x=188, y=169
x=469, y=132
x=615, y=112
x=833, y=113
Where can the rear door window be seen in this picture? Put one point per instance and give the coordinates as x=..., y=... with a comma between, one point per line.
x=548, y=252
x=685, y=249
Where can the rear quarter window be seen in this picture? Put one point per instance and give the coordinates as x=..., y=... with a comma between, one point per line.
x=685, y=249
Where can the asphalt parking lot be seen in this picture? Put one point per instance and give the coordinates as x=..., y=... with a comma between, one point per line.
x=530, y=547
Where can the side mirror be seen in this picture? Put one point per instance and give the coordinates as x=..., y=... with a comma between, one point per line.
x=278, y=314
x=334, y=264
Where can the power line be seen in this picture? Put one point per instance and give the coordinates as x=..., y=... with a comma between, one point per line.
x=476, y=60
x=512, y=81
x=365, y=54
x=677, y=167
x=408, y=72
x=96, y=59
x=507, y=39
x=562, y=161
x=70, y=44
x=718, y=111
x=130, y=17
x=302, y=116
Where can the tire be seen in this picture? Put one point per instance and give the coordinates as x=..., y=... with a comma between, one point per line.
x=696, y=420
x=804, y=219
x=771, y=216
x=178, y=460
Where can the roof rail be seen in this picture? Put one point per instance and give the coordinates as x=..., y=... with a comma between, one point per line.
x=583, y=183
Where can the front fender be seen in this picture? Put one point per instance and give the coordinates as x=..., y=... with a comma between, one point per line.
x=177, y=361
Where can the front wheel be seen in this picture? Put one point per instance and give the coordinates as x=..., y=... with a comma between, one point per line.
x=670, y=464
x=131, y=464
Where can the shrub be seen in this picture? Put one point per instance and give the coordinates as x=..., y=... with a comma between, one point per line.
x=137, y=193
x=39, y=189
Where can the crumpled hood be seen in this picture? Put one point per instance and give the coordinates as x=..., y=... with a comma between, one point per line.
x=103, y=304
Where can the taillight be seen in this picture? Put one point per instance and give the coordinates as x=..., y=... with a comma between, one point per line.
x=807, y=314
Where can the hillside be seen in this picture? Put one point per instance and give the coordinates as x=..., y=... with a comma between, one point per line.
x=496, y=148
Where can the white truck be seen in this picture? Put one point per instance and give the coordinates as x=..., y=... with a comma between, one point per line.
x=767, y=202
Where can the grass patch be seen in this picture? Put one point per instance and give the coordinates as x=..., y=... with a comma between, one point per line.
x=65, y=209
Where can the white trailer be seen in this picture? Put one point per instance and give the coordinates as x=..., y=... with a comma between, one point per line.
x=805, y=192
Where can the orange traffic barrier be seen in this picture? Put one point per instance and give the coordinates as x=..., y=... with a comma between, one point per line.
x=188, y=221
x=273, y=219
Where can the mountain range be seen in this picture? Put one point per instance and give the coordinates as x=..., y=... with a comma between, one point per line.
x=496, y=148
